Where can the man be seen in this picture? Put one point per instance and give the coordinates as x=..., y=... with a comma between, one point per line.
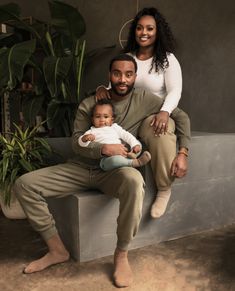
x=131, y=108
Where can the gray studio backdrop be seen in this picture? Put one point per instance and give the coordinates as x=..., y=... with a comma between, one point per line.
x=205, y=33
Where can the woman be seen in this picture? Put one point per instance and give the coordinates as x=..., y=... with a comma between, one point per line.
x=151, y=43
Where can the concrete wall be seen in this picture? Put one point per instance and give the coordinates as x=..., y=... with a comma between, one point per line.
x=204, y=30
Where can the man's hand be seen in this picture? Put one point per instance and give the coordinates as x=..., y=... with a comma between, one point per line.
x=88, y=137
x=160, y=123
x=179, y=166
x=114, y=149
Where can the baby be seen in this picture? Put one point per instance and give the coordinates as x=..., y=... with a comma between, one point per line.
x=105, y=131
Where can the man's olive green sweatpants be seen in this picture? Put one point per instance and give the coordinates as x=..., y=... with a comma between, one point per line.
x=126, y=184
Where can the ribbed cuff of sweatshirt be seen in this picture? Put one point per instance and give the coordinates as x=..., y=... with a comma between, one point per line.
x=96, y=152
x=184, y=142
x=92, y=151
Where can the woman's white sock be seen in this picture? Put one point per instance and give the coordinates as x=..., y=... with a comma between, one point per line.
x=159, y=206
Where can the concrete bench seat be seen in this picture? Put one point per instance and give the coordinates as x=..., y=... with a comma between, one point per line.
x=203, y=200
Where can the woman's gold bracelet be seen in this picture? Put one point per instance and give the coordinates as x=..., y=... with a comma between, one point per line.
x=183, y=152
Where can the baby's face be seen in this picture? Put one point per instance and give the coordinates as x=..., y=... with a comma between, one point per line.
x=103, y=115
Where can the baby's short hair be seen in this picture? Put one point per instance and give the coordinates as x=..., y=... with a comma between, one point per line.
x=103, y=102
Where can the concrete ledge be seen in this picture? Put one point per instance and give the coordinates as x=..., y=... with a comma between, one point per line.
x=201, y=201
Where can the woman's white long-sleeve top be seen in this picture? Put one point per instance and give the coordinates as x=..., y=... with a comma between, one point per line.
x=166, y=83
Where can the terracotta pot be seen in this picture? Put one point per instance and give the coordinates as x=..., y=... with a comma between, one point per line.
x=15, y=211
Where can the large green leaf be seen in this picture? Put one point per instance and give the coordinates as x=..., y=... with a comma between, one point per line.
x=67, y=19
x=4, y=72
x=31, y=105
x=18, y=56
x=13, y=61
x=55, y=113
x=79, y=62
x=55, y=71
x=4, y=36
x=40, y=85
x=60, y=117
x=9, y=11
x=9, y=39
x=63, y=44
x=59, y=78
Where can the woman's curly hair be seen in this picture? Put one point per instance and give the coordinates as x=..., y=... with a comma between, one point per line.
x=164, y=44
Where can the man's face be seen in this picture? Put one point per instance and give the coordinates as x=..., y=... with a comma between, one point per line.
x=122, y=77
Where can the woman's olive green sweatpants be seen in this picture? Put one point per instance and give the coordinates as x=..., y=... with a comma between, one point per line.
x=163, y=151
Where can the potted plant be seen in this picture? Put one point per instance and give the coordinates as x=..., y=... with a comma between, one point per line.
x=22, y=151
x=56, y=55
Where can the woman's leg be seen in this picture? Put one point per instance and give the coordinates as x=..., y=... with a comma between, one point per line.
x=163, y=152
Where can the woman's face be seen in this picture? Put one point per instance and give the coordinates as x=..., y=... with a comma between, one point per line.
x=146, y=31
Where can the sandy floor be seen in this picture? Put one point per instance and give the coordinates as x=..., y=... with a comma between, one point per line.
x=200, y=262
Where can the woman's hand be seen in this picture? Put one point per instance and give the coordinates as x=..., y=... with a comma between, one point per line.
x=160, y=122
x=101, y=93
x=179, y=165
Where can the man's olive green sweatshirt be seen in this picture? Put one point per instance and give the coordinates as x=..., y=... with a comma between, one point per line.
x=130, y=111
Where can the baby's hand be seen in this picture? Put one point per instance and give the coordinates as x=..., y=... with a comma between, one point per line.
x=136, y=149
x=88, y=137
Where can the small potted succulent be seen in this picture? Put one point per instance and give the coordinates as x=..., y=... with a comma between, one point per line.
x=22, y=151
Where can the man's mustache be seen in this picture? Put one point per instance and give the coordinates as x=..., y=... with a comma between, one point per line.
x=121, y=83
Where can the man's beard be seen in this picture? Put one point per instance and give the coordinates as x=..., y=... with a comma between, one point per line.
x=129, y=88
